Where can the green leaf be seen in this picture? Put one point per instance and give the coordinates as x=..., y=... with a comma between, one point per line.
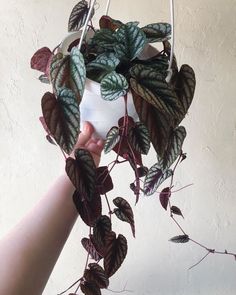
x=152, y=87
x=131, y=41
x=101, y=66
x=154, y=178
x=159, y=125
x=157, y=32
x=113, y=86
x=105, y=39
x=174, y=148
x=185, y=88
x=180, y=239
x=78, y=16
x=139, y=138
x=82, y=173
x=112, y=139
x=77, y=72
x=96, y=275
x=116, y=253
x=62, y=117
x=89, y=288
x=124, y=212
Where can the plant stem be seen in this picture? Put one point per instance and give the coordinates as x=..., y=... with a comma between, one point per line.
x=108, y=204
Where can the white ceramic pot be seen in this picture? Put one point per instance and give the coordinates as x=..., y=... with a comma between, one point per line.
x=93, y=108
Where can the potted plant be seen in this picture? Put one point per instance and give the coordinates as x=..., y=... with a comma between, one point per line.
x=118, y=61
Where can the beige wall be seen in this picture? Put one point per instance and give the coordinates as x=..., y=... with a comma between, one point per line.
x=206, y=39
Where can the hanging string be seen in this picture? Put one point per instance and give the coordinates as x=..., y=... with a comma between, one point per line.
x=169, y=71
x=107, y=7
x=86, y=24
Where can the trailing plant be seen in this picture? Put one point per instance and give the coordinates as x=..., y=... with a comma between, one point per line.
x=112, y=57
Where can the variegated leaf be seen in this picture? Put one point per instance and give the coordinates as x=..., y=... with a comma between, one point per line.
x=68, y=71
x=131, y=41
x=78, y=16
x=104, y=39
x=139, y=138
x=152, y=87
x=159, y=125
x=157, y=32
x=185, y=88
x=112, y=139
x=101, y=66
x=124, y=212
x=77, y=72
x=113, y=86
x=60, y=71
x=89, y=211
x=180, y=239
x=82, y=173
x=154, y=178
x=115, y=254
x=173, y=149
x=96, y=274
x=62, y=117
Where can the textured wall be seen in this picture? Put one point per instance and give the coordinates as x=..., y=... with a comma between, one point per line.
x=206, y=39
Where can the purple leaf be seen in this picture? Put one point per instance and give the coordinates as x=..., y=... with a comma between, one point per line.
x=41, y=59
x=82, y=173
x=164, y=197
x=89, y=211
x=124, y=212
x=115, y=254
x=104, y=182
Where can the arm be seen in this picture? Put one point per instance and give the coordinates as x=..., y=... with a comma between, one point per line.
x=29, y=252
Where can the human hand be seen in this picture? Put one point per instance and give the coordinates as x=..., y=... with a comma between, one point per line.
x=89, y=142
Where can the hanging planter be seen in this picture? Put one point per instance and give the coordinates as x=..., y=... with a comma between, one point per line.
x=134, y=96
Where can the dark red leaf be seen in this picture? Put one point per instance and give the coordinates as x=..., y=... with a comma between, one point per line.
x=89, y=288
x=127, y=122
x=96, y=274
x=106, y=22
x=40, y=59
x=115, y=254
x=82, y=173
x=62, y=117
x=90, y=248
x=175, y=210
x=45, y=127
x=164, y=197
x=101, y=230
x=159, y=126
x=123, y=150
x=104, y=182
x=142, y=171
x=89, y=211
x=124, y=212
